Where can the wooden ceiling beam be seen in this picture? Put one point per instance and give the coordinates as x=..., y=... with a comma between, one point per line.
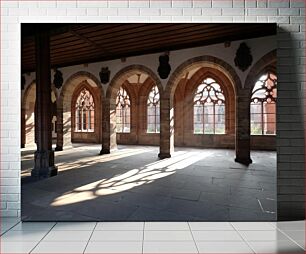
x=89, y=41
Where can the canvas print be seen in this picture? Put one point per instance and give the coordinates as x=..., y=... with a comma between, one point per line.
x=148, y=122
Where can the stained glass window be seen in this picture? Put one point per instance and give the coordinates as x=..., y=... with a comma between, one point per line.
x=153, y=111
x=84, y=112
x=123, y=111
x=209, y=108
x=263, y=106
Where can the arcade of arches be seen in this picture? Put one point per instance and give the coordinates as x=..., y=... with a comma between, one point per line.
x=197, y=146
x=205, y=100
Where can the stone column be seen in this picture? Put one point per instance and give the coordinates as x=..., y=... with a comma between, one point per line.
x=166, y=144
x=108, y=126
x=59, y=129
x=44, y=156
x=23, y=126
x=243, y=154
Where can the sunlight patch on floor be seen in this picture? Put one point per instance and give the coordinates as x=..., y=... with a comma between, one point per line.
x=130, y=179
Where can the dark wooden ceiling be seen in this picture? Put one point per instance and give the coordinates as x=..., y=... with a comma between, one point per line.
x=85, y=43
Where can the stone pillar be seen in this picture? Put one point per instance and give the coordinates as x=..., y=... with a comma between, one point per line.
x=109, y=141
x=44, y=156
x=23, y=126
x=243, y=154
x=166, y=143
x=59, y=129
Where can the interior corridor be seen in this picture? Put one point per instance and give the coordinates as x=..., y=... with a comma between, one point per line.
x=132, y=184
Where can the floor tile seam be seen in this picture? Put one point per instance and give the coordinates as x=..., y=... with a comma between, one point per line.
x=290, y=230
x=142, y=242
x=90, y=237
x=31, y=251
x=193, y=238
x=10, y=228
x=291, y=239
x=164, y=230
x=169, y=240
x=119, y=230
x=244, y=240
x=138, y=240
x=237, y=229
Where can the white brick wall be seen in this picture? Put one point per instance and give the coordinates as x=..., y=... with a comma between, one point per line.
x=288, y=13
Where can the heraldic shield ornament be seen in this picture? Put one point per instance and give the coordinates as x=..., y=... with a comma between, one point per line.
x=58, y=79
x=243, y=58
x=164, y=67
x=104, y=75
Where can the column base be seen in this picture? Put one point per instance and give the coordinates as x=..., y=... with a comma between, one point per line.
x=244, y=161
x=44, y=164
x=164, y=155
x=104, y=151
x=58, y=148
x=44, y=173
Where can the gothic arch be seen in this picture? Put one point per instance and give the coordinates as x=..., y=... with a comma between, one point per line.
x=264, y=64
x=109, y=108
x=228, y=91
x=201, y=61
x=167, y=112
x=28, y=101
x=124, y=73
x=27, y=115
x=64, y=123
x=77, y=78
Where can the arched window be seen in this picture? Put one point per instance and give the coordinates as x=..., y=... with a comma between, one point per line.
x=123, y=112
x=153, y=111
x=209, y=108
x=84, y=112
x=263, y=105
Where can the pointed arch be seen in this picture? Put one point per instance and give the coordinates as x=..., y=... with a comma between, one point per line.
x=201, y=61
x=109, y=121
x=124, y=73
x=65, y=134
x=264, y=64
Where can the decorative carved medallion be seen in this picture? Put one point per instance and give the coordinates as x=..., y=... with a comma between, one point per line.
x=58, y=79
x=104, y=75
x=164, y=67
x=23, y=81
x=243, y=58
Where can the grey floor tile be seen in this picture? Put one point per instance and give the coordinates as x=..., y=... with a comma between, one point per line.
x=253, y=226
x=114, y=247
x=198, y=187
x=17, y=247
x=259, y=235
x=275, y=247
x=167, y=236
x=169, y=247
x=216, y=236
x=78, y=226
x=60, y=247
x=224, y=247
x=186, y=194
x=296, y=235
x=67, y=236
x=149, y=214
x=33, y=226
x=23, y=236
x=119, y=226
x=219, y=226
x=291, y=225
x=166, y=226
x=123, y=236
x=8, y=223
